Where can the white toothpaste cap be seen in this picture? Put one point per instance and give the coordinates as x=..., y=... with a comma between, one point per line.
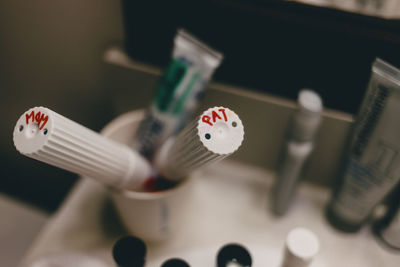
x=220, y=130
x=33, y=129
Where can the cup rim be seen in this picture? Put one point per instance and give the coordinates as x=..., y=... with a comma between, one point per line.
x=152, y=195
x=120, y=122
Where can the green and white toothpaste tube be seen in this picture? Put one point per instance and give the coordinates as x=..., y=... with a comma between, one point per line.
x=178, y=92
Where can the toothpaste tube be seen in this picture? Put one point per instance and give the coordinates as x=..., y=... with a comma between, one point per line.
x=178, y=92
x=372, y=166
x=47, y=136
x=215, y=135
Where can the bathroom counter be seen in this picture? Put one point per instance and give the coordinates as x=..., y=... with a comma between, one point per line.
x=229, y=204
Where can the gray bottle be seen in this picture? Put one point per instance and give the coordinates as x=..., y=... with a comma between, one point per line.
x=297, y=149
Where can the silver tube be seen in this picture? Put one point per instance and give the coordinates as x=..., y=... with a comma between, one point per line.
x=372, y=164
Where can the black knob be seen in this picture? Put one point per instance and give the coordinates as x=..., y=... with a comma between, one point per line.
x=175, y=262
x=233, y=253
x=129, y=251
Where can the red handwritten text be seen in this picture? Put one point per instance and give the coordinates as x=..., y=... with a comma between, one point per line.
x=214, y=116
x=39, y=118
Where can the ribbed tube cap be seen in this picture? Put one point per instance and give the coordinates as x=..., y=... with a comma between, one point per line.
x=42, y=134
x=215, y=135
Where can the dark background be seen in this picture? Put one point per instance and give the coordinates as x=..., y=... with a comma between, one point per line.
x=51, y=55
x=272, y=46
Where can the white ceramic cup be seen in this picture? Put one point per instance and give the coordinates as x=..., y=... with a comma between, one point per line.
x=151, y=216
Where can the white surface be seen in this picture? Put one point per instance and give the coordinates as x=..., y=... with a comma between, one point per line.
x=19, y=225
x=68, y=260
x=230, y=204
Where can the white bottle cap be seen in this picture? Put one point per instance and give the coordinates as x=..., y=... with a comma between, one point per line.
x=308, y=115
x=42, y=134
x=310, y=101
x=300, y=248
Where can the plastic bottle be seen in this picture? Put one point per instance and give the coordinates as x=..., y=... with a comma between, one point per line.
x=297, y=149
x=301, y=246
x=372, y=164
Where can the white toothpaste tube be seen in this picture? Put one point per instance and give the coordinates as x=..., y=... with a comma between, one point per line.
x=47, y=136
x=215, y=135
x=178, y=92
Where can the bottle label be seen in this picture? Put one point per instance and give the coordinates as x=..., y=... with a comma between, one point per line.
x=362, y=190
x=373, y=168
